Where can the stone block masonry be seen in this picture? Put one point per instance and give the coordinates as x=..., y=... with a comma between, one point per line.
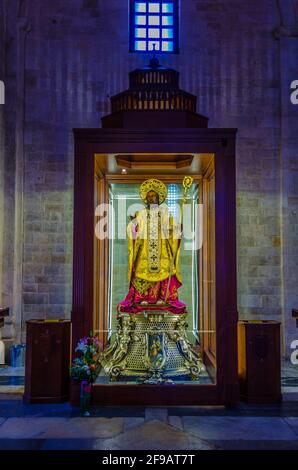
x=76, y=54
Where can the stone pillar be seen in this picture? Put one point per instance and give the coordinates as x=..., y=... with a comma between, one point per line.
x=23, y=28
x=13, y=33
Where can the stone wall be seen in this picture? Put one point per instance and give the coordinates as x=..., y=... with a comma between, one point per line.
x=2, y=140
x=288, y=41
x=64, y=58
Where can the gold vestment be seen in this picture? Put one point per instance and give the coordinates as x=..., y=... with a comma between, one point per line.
x=153, y=246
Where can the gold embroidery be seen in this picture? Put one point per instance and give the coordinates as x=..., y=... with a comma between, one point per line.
x=142, y=256
x=141, y=285
x=153, y=230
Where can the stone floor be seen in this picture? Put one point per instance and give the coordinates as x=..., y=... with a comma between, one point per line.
x=60, y=427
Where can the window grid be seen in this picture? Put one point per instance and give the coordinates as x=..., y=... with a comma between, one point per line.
x=172, y=200
x=154, y=25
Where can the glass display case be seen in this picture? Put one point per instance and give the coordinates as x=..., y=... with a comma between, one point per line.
x=190, y=356
x=170, y=336
x=118, y=253
x=124, y=199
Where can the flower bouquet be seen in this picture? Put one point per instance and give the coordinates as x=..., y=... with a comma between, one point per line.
x=85, y=368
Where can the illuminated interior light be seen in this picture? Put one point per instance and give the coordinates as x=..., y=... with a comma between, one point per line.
x=151, y=45
x=168, y=8
x=167, y=21
x=154, y=8
x=154, y=33
x=140, y=32
x=140, y=7
x=167, y=46
x=167, y=33
x=141, y=20
x=153, y=20
x=140, y=45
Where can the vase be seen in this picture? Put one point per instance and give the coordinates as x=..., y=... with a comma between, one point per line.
x=85, y=397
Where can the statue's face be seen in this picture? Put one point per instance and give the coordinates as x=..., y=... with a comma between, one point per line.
x=152, y=197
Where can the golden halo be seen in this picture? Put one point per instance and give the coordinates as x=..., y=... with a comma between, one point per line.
x=153, y=185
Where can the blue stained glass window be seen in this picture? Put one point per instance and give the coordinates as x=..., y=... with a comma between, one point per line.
x=167, y=21
x=140, y=8
x=167, y=33
x=154, y=22
x=140, y=33
x=167, y=46
x=154, y=7
x=151, y=45
x=154, y=33
x=141, y=20
x=167, y=8
x=141, y=45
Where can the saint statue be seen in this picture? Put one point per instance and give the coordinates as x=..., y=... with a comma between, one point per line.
x=153, y=255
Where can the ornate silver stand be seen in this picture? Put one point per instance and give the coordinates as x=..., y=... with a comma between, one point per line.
x=152, y=346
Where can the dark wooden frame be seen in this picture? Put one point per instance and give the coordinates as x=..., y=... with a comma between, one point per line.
x=221, y=143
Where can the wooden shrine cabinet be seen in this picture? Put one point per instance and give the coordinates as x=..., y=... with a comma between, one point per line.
x=47, y=361
x=154, y=131
x=259, y=361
